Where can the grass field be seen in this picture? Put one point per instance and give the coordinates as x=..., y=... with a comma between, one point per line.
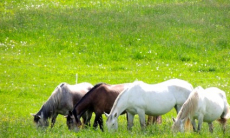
x=46, y=42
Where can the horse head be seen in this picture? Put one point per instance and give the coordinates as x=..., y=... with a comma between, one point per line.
x=72, y=122
x=111, y=121
x=40, y=121
x=178, y=125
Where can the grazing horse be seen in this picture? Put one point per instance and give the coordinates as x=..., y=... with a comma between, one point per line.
x=61, y=101
x=205, y=106
x=99, y=99
x=155, y=99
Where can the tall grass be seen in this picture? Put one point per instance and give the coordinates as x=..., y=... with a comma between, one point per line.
x=44, y=43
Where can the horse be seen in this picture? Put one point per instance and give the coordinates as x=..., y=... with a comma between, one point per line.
x=205, y=105
x=61, y=101
x=99, y=100
x=151, y=99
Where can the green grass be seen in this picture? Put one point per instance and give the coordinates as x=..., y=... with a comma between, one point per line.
x=44, y=43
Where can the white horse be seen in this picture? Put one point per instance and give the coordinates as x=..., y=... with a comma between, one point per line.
x=156, y=99
x=204, y=105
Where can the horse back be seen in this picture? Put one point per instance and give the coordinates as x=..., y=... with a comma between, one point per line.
x=71, y=94
x=106, y=95
x=215, y=103
x=180, y=89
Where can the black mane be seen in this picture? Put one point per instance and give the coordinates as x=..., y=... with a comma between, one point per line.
x=89, y=92
x=82, y=99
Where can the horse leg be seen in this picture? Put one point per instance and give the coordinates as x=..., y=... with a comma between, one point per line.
x=53, y=120
x=154, y=119
x=210, y=127
x=100, y=121
x=199, y=126
x=149, y=121
x=130, y=120
x=142, y=119
x=193, y=124
x=95, y=124
x=89, y=116
x=200, y=121
x=86, y=118
x=158, y=119
x=224, y=126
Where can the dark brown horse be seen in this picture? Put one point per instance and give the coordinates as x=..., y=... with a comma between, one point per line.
x=61, y=101
x=99, y=99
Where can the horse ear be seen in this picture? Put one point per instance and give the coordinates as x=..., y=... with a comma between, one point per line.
x=36, y=116
x=107, y=115
x=173, y=119
x=32, y=114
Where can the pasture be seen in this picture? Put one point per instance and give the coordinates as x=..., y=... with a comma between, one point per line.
x=46, y=42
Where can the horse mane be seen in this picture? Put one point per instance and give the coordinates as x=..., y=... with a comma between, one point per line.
x=89, y=93
x=123, y=92
x=118, y=99
x=74, y=112
x=51, y=104
x=189, y=107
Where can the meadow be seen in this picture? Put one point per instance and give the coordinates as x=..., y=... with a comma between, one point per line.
x=46, y=42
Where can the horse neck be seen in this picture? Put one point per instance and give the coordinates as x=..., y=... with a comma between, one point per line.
x=51, y=104
x=189, y=107
x=120, y=103
x=83, y=105
x=86, y=101
x=119, y=109
x=45, y=111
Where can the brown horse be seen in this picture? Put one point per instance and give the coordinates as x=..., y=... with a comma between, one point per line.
x=61, y=101
x=99, y=99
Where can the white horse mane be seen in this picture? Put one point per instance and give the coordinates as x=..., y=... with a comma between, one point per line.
x=123, y=92
x=118, y=99
x=189, y=106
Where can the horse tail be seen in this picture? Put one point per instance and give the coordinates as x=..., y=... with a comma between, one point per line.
x=227, y=113
x=222, y=120
x=225, y=116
